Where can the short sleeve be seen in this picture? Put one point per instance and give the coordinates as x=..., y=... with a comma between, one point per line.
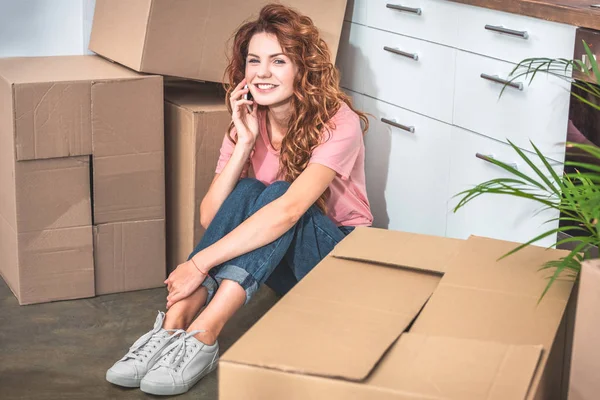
x=341, y=145
x=226, y=151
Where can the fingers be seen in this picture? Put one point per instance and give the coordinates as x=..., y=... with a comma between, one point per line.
x=174, y=298
x=240, y=85
x=241, y=102
x=239, y=90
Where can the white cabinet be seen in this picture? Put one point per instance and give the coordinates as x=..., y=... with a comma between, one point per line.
x=405, y=184
x=435, y=65
x=497, y=216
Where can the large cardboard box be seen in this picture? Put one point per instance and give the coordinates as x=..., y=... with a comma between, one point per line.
x=196, y=120
x=189, y=38
x=585, y=359
x=393, y=315
x=81, y=143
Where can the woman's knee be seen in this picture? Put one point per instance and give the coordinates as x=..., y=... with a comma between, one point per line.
x=247, y=189
x=250, y=184
x=276, y=189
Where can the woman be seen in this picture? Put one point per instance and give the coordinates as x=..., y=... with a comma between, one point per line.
x=304, y=143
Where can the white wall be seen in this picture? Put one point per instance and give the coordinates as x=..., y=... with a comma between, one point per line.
x=45, y=27
x=88, y=16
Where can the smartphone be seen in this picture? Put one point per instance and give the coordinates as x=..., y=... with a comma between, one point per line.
x=248, y=96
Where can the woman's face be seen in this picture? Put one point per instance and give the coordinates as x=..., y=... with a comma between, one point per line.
x=269, y=73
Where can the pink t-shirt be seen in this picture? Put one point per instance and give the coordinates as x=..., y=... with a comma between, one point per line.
x=343, y=151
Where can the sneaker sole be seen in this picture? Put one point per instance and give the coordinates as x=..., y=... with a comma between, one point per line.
x=161, y=390
x=121, y=380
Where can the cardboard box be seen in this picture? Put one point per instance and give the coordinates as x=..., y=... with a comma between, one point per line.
x=393, y=315
x=189, y=38
x=67, y=125
x=129, y=256
x=196, y=120
x=585, y=360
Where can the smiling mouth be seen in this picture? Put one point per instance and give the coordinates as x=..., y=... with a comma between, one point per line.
x=265, y=86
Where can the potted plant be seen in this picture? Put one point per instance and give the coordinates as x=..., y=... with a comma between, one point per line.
x=575, y=195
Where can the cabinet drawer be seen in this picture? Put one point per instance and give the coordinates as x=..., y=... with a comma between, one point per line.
x=539, y=112
x=526, y=36
x=496, y=216
x=356, y=11
x=406, y=172
x=432, y=20
x=422, y=84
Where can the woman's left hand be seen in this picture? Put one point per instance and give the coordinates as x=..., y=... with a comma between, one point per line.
x=183, y=282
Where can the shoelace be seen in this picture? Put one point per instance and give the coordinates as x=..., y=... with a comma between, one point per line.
x=142, y=348
x=176, y=352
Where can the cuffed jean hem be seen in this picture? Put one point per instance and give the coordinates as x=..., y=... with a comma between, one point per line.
x=233, y=273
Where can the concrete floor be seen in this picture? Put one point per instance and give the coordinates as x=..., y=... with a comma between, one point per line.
x=62, y=350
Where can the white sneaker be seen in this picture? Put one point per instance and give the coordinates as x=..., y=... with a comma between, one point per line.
x=142, y=355
x=184, y=363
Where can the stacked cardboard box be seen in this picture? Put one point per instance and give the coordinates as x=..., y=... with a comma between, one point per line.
x=393, y=315
x=82, y=176
x=196, y=120
x=190, y=38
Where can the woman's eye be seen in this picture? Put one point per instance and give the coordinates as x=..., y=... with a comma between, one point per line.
x=279, y=61
x=253, y=61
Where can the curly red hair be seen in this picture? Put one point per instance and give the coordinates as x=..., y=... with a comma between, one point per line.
x=317, y=94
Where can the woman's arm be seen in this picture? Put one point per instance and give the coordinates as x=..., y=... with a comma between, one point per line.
x=223, y=184
x=263, y=227
x=246, y=132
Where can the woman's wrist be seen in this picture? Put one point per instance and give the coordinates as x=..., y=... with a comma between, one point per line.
x=199, y=266
x=244, y=148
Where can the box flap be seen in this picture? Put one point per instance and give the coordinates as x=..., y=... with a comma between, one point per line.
x=401, y=249
x=477, y=283
x=478, y=265
x=333, y=324
x=451, y=368
x=195, y=96
x=62, y=69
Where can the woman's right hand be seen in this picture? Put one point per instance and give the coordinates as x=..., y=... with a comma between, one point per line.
x=246, y=123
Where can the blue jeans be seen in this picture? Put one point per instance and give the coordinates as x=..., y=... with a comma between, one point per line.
x=279, y=264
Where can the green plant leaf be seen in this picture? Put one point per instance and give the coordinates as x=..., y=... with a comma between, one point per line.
x=593, y=61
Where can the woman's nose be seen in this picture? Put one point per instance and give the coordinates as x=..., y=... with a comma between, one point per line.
x=264, y=71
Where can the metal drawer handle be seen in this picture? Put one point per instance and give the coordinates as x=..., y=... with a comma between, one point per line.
x=398, y=7
x=501, y=29
x=487, y=157
x=497, y=79
x=414, y=56
x=410, y=129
